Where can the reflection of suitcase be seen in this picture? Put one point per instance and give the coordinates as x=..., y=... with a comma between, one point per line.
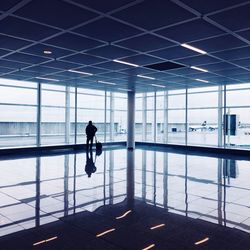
x=98, y=145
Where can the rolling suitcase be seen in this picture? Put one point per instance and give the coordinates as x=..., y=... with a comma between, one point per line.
x=98, y=145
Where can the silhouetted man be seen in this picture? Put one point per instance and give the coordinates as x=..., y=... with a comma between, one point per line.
x=90, y=132
x=90, y=167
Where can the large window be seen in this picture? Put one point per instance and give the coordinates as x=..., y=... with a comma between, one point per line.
x=18, y=113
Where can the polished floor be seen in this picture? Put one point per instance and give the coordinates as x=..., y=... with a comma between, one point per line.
x=124, y=200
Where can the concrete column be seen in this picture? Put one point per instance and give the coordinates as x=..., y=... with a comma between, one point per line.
x=130, y=178
x=131, y=121
x=154, y=120
x=67, y=115
x=165, y=129
x=38, y=189
x=220, y=112
x=112, y=125
x=66, y=185
x=105, y=117
x=224, y=113
x=144, y=117
x=75, y=115
x=186, y=118
x=39, y=114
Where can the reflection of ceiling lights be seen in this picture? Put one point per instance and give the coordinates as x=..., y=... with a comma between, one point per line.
x=47, y=79
x=127, y=63
x=157, y=226
x=149, y=247
x=157, y=85
x=202, y=241
x=200, y=69
x=125, y=89
x=146, y=77
x=200, y=80
x=124, y=215
x=105, y=232
x=193, y=48
x=47, y=52
x=80, y=72
x=110, y=83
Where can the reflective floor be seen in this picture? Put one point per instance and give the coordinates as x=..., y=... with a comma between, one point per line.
x=84, y=193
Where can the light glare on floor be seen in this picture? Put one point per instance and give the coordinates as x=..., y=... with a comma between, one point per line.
x=124, y=215
x=201, y=241
x=157, y=226
x=44, y=241
x=149, y=247
x=105, y=232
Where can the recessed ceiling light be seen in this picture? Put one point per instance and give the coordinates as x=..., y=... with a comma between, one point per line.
x=127, y=63
x=45, y=78
x=200, y=69
x=125, y=89
x=193, y=48
x=110, y=83
x=47, y=52
x=157, y=85
x=80, y=72
x=146, y=77
x=200, y=80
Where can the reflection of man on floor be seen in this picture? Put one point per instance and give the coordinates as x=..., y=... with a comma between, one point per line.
x=90, y=165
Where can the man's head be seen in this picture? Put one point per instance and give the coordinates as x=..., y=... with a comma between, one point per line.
x=90, y=122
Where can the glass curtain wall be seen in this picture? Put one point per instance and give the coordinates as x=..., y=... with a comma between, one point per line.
x=206, y=116
x=18, y=113
x=53, y=114
x=48, y=114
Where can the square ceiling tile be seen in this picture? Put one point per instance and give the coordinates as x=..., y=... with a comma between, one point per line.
x=93, y=70
x=211, y=6
x=19, y=28
x=218, y=66
x=137, y=71
x=112, y=66
x=114, y=74
x=234, y=54
x=142, y=59
x=4, y=52
x=107, y=30
x=6, y=5
x=56, y=13
x=39, y=49
x=42, y=69
x=104, y=6
x=73, y=42
x=83, y=59
x=4, y=70
x=110, y=52
x=61, y=65
x=185, y=32
x=174, y=53
x=219, y=43
x=7, y=42
x=232, y=72
x=234, y=19
x=154, y=14
x=198, y=60
x=13, y=64
x=245, y=34
x=243, y=62
x=145, y=43
x=21, y=57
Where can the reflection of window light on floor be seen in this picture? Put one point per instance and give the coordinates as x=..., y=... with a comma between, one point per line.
x=44, y=241
x=105, y=232
x=149, y=247
x=124, y=215
x=157, y=226
x=201, y=241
